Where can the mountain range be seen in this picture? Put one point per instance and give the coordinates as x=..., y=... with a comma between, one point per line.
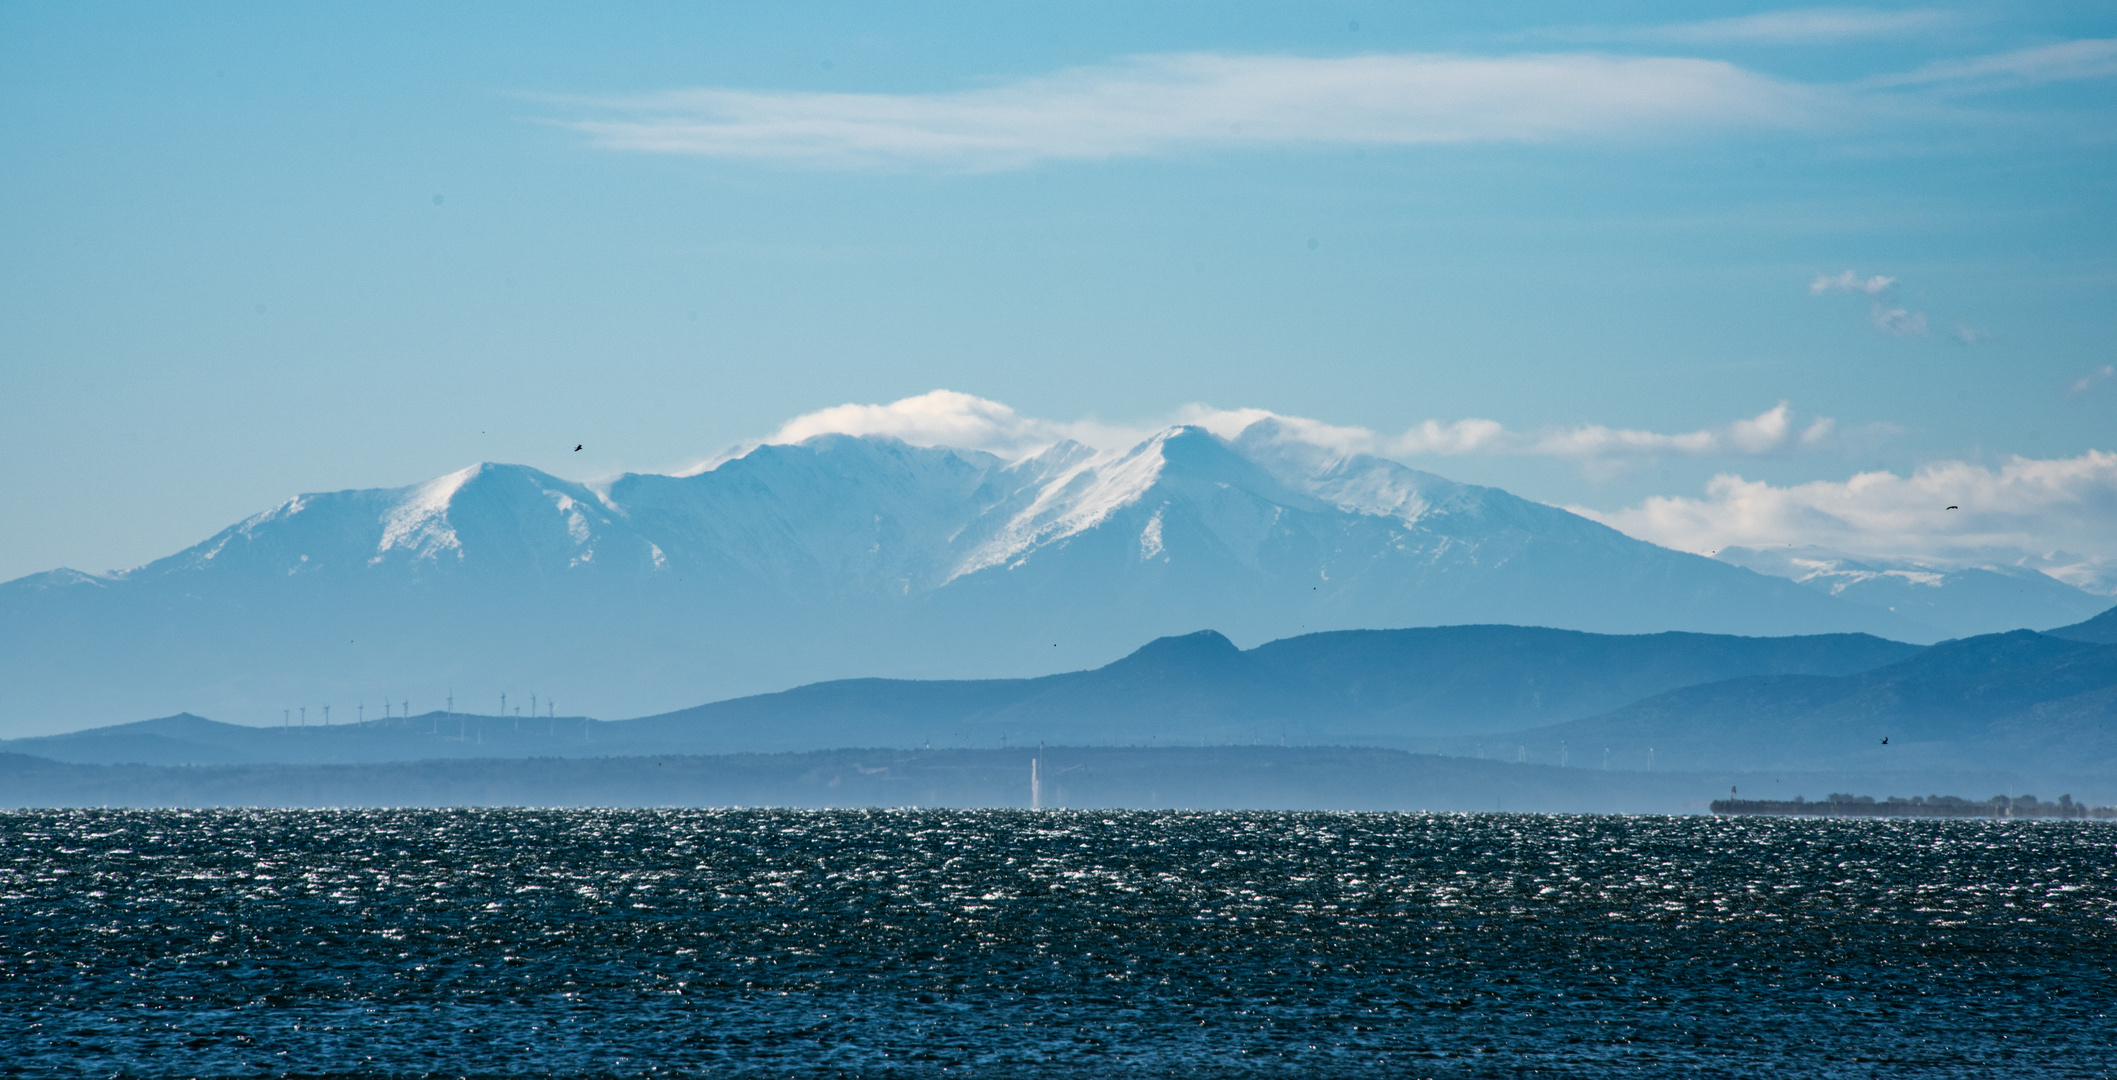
x=2038, y=704
x=2037, y=708
x=835, y=557
x=1952, y=602
x=1389, y=688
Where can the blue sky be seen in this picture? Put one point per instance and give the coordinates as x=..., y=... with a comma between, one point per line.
x=252, y=250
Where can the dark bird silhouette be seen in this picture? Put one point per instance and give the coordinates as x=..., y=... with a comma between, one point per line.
x=1885, y=740
x=577, y=449
x=1951, y=508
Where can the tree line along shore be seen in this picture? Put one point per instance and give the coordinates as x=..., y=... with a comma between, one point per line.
x=1929, y=806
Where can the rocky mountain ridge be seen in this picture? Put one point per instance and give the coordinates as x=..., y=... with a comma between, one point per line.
x=835, y=557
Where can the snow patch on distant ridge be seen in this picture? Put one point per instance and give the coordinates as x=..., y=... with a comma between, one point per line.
x=419, y=523
x=1077, y=498
x=1150, y=539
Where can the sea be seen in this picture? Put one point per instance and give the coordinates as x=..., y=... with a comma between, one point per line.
x=928, y=943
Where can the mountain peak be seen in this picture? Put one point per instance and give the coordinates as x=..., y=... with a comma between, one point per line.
x=1200, y=647
x=62, y=578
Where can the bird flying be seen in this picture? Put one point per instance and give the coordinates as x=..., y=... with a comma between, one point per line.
x=1951, y=508
x=577, y=449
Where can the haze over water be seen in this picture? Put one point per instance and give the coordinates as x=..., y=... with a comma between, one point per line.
x=1005, y=943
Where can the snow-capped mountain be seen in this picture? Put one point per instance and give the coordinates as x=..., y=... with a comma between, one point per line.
x=1944, y=601
x=836, y=556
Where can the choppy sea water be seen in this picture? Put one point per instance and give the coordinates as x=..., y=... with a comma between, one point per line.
x=1053, y=944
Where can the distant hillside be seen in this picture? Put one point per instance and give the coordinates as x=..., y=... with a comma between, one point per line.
x=1376, y=687
x=2102, y=629
x=185, y=739
x=2034, y=703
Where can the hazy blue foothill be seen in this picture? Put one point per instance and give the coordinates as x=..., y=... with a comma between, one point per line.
x=1380, y=688
x=2043, y=705
x=1398, y=688
x=1662, y=722
x=2101, y=629
x=838, y=557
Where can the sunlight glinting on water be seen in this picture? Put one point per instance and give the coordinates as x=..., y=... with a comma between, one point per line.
x=1059, y=943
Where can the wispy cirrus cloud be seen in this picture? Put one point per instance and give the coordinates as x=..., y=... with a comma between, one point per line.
x=1163, y=104
x=1796, y=26
x=2094, y=58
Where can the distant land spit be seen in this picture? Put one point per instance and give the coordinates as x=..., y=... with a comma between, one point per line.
x=1940, y=806
x=1298, y=778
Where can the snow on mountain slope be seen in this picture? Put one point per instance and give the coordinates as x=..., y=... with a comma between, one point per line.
x=831, y=516
x=1949, y=601
x=1358, y=483
x=1071, y=500
x=1182, y=462
x=510, y=516
x=833, y=557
